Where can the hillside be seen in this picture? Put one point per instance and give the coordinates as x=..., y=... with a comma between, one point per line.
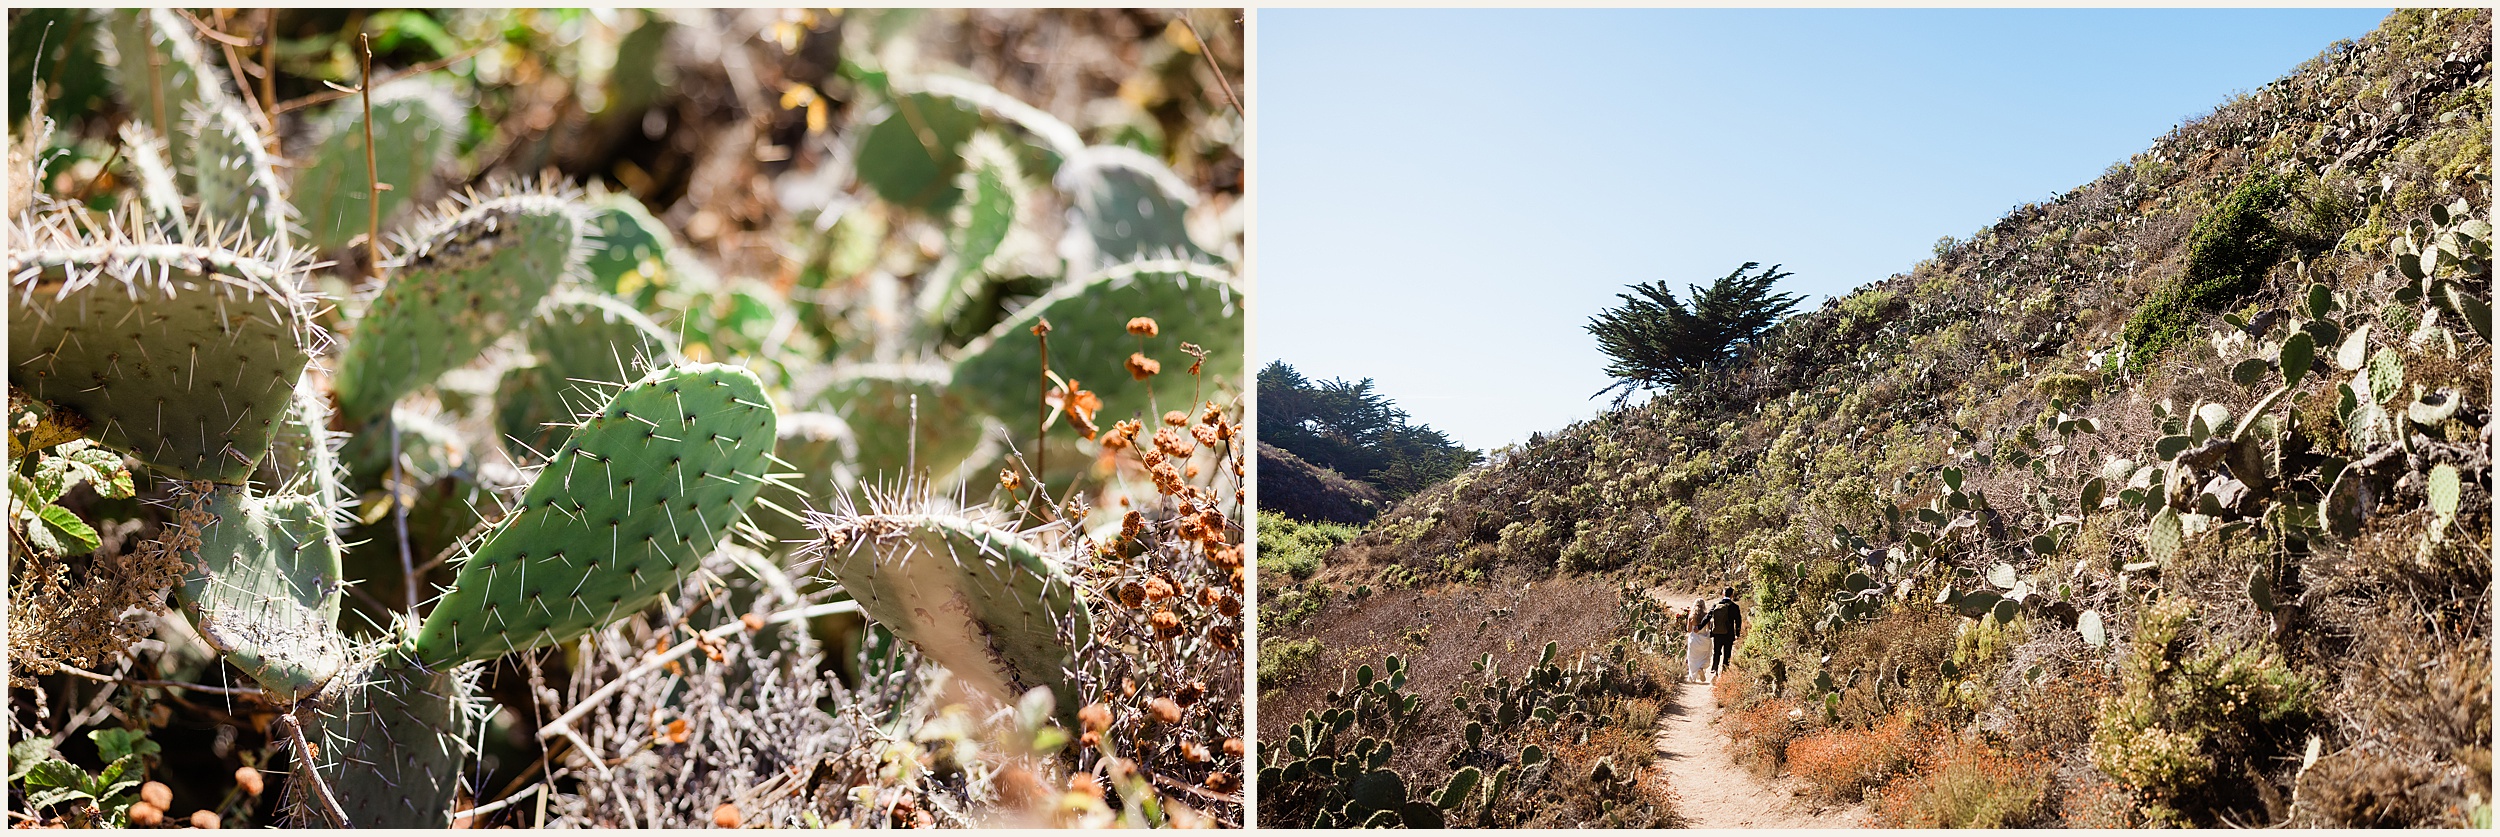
x=2165, y=502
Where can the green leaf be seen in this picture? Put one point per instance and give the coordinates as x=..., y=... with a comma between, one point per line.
x=116, y=742
x=75, y=536
x=106, y=471
x=54, y=773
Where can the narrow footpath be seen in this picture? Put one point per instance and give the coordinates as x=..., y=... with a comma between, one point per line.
x=1712, y=790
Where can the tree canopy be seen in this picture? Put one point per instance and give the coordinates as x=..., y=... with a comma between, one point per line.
x=1656, y=341
x=1354, y=430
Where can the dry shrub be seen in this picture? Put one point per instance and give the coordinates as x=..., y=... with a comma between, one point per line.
x=58, y=616
x=1763, y=733
x=1842, y=763
x=1966, y=785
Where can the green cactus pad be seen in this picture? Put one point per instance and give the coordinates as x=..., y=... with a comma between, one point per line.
x=877, y=402
x=981, y=602
x=161, y=68
x=639, y=494
x=1132, y=206
x=581, y=337
x=817, y=449
x=2444, y=490
x=158, y=189
x=993, y=188
x=911, y=156
x=414, y=123
x=232, y=172
x=261, y=582
x=1089, y=341
x=636, y=256
x=183, y=356
x=393, y=735
x=459, y=284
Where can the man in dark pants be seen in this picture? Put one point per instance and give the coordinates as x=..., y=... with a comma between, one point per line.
x=1726, y=621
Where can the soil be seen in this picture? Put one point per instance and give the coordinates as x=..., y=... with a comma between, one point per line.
x=1712, y=790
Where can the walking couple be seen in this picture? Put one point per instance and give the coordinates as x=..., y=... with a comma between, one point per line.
x=1710, y=637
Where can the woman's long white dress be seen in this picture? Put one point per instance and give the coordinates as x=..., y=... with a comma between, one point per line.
x=1696, y=656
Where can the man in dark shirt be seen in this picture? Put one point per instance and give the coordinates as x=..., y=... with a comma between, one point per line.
x=1726, y=621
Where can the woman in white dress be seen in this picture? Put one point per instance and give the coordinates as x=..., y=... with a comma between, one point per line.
x=1697, y=644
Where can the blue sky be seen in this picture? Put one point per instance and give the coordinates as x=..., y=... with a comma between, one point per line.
x=1446, y=197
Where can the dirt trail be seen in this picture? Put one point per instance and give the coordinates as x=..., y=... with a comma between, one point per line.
x=1712, y=790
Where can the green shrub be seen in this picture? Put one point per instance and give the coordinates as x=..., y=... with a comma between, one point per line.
x=2229, y=251
x=1292, y=548
x=1285, y=659
x=2186, y=725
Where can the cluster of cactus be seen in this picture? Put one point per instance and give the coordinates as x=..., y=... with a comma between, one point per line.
x=1349, y=783
x=2216, y=468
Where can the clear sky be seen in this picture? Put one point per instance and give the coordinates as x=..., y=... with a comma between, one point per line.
x=1446, y=197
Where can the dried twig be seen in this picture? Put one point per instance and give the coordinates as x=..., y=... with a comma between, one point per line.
x=563, y=724
x=245, y=691
x=311, y=99
x=1207, y=51
x=499, y=804
x=329, y=806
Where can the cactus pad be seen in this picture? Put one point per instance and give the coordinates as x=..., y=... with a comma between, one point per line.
x=459, y=284
x=261, y=582
x=158, y=191
x=580, y=338
x=980, y=601
x=414, y=123
x=184, y=356
x=161, y=68
x=818, y=450
x=877, y=402
x=232, y=172
x=910, y=157
x=392, y=736
x=992, y=187
x=1001, y=373
x=1132, y=206
x=640, y=493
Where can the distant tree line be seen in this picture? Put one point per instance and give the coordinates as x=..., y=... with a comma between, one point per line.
x=1656, y=341
x=1357, y=432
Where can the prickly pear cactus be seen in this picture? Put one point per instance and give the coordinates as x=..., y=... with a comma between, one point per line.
x=392, y=735
x=817, y=450
x=911, y=157
x=184, y=356
x=461, y=282
x=233, y=174
x=158, y=191
x=981, y=602
x=1132, y=207
x=640, y=493
x=161, y=68
x=414, y=123
x=1089, y=340
x=580, y=338
x=899, y=436
x=261, y=583
x=993, y=188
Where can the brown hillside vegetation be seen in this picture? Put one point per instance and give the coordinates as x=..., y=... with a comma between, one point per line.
x=2166, y=502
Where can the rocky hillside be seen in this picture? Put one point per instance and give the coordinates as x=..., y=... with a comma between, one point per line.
x=2172, y=494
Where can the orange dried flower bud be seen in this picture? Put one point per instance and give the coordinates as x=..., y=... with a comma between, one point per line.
x=1164, y=710
x=1143, y=326
x=1167, y=624
x=145, y=815
x=1221, y=782
x=205, y=820
x=1142, y=367
x=727, y=816
x=752, y=621
x=1094, y=716
x=1233, y=747
x=157, y=794
x=1176, y=418
x=249, y=779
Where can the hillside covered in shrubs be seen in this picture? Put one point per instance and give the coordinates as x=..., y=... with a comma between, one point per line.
x=2164, y=502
